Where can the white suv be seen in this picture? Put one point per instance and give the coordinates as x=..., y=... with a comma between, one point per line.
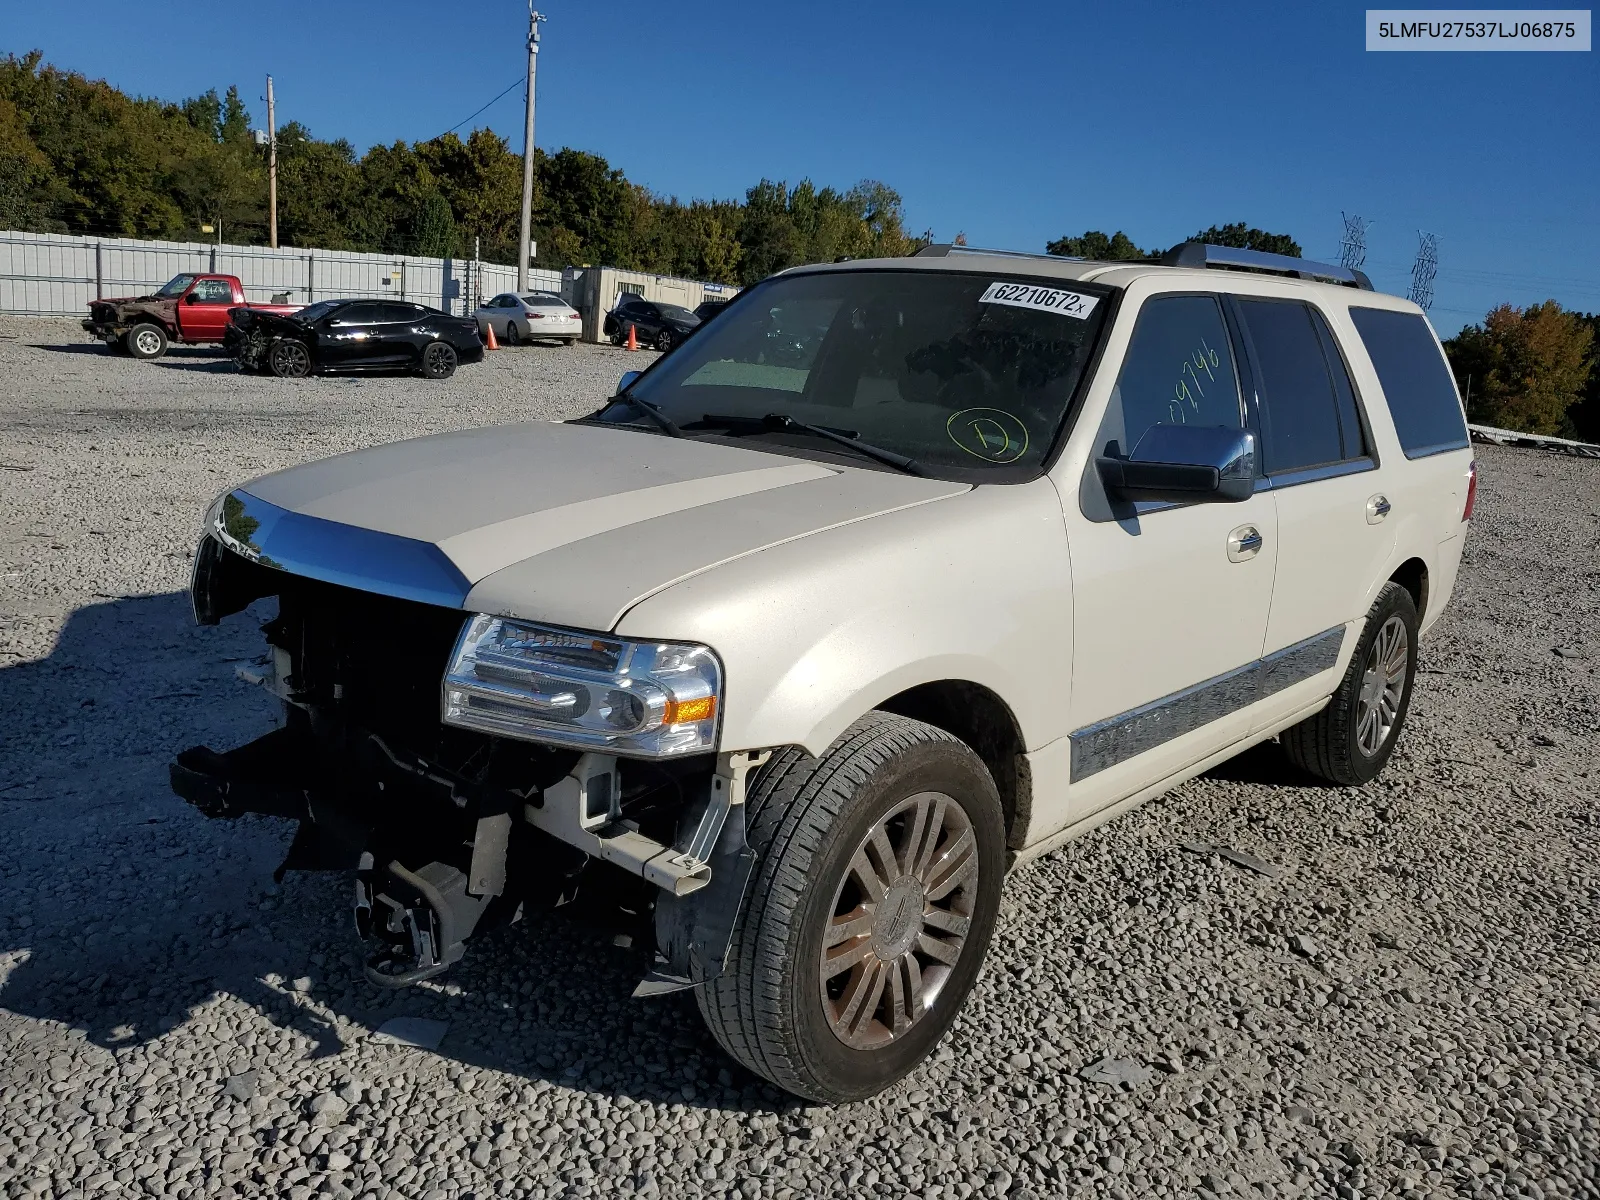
x=898, y=574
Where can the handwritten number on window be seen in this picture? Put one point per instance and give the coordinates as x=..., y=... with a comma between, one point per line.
x=1197, y=370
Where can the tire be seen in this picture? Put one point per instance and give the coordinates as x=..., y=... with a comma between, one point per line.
x=1350, y=740
x=289, y=359
x=570, y=342
x=513, y=334
x=146, y=340
x=665, y=341
x=438, y=360
x=809, y=821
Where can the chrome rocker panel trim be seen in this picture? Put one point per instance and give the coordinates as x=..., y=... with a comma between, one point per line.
x=1119, y=738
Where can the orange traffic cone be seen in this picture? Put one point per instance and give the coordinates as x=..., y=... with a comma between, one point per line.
x=489, y=342
x=633, y=338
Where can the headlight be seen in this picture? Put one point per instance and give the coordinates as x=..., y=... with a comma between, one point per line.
x=515, y=679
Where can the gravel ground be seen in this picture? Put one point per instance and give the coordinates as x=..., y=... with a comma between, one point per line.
x=1409, y=1007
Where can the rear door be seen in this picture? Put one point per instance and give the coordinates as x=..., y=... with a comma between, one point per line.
x=1334, y=530
x=399, y=337
x=203, y=313
x=1170, y=601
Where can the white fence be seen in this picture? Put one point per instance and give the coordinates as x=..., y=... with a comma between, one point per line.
x=48, y=274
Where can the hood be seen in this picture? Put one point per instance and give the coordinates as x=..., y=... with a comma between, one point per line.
x=571, y=524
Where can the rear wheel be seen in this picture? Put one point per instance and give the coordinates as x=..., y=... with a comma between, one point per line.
x=1350, y=740
x=438, y=360
x=879, y=876
x=289, y=359
x=146, y=341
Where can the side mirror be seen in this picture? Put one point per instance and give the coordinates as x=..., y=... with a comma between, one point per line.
x=626, y=381
x=1185, y=464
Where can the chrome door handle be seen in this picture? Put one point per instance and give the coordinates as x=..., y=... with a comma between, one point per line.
x=1244, y=543
x=1377, y=509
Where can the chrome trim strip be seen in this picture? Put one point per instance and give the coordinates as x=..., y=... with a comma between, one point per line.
x=1350, y=466
x=1119, y=738
x=347, y=555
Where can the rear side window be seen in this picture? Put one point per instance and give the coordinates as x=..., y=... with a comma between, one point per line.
x=1305, y=413
x=400, y=313
x=1422, y=396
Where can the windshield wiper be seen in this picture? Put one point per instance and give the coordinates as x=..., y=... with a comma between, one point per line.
x=651, y=411
x=781, y=422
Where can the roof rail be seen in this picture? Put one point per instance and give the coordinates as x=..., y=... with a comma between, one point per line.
x=1202, y=254
x=944, y=249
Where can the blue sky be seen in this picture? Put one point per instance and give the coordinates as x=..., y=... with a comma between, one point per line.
x=1012, y=122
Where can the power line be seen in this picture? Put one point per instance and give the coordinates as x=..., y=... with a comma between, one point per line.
x=464, y=120
x=1424, y=270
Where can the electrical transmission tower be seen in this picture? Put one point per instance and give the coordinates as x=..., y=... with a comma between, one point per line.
x=1424, y=269
x=1353, y=250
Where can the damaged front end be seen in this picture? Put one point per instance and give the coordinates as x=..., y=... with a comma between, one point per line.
x=451, y=827
x=249, y=336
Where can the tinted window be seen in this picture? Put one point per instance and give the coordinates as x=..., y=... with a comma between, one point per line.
x=542, y=300
x=1299, y=416
x=1422, y=396
x=1178, y=371
x=357, y=314
x=1351, y=430
x=403, y=313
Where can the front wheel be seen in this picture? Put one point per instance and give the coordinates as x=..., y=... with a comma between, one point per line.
x=146, y=341
x=1350, y=740
x=875, y=898
x=438, y=360
x=665, y=341
x=289, y=359
x=513, y=334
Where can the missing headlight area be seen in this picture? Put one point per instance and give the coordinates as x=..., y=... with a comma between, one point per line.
x=453, y=828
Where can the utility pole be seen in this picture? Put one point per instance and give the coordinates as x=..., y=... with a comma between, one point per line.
x=272, y=169
x=527, y=153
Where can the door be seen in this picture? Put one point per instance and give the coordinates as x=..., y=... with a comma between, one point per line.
x=1335, y=531
x=203, y=314
x=348, y=338
x=395, y=341
x=1170, y=602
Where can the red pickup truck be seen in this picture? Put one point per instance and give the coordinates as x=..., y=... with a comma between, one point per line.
x=190, y=308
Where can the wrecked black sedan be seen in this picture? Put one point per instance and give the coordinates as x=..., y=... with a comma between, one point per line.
x=346, y=336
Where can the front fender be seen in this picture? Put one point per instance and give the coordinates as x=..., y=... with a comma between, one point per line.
x=815, y=632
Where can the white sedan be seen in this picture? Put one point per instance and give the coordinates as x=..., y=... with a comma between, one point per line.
x=531, y=317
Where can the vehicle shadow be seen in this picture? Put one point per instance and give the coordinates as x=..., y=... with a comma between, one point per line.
x=125, y=914
x=1265, y=763
x=96, y=347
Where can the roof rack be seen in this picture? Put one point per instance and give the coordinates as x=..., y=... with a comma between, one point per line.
x=943, y=249
x=1202, y=254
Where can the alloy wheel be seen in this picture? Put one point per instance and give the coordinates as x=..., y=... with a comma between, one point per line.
x=148, y=342
x=290, y=359
x=899, y=920
x=1383, y=686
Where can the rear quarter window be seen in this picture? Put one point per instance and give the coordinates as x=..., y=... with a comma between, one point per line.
x=1422, y=396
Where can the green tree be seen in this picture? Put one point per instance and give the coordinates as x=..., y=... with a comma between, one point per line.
x=1243, y=237
x=433, y=228
x=1529, y=367
x=1583, y=418
x=1118, y=247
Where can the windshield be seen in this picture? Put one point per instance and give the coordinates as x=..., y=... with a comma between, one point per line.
x=969, y=375
x=676, y=312
x=176, y=286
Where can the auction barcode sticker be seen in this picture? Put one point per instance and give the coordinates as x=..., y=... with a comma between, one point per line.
x=1052, y=300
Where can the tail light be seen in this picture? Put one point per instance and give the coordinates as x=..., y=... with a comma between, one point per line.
x=533, y=316
x=1472, y=491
